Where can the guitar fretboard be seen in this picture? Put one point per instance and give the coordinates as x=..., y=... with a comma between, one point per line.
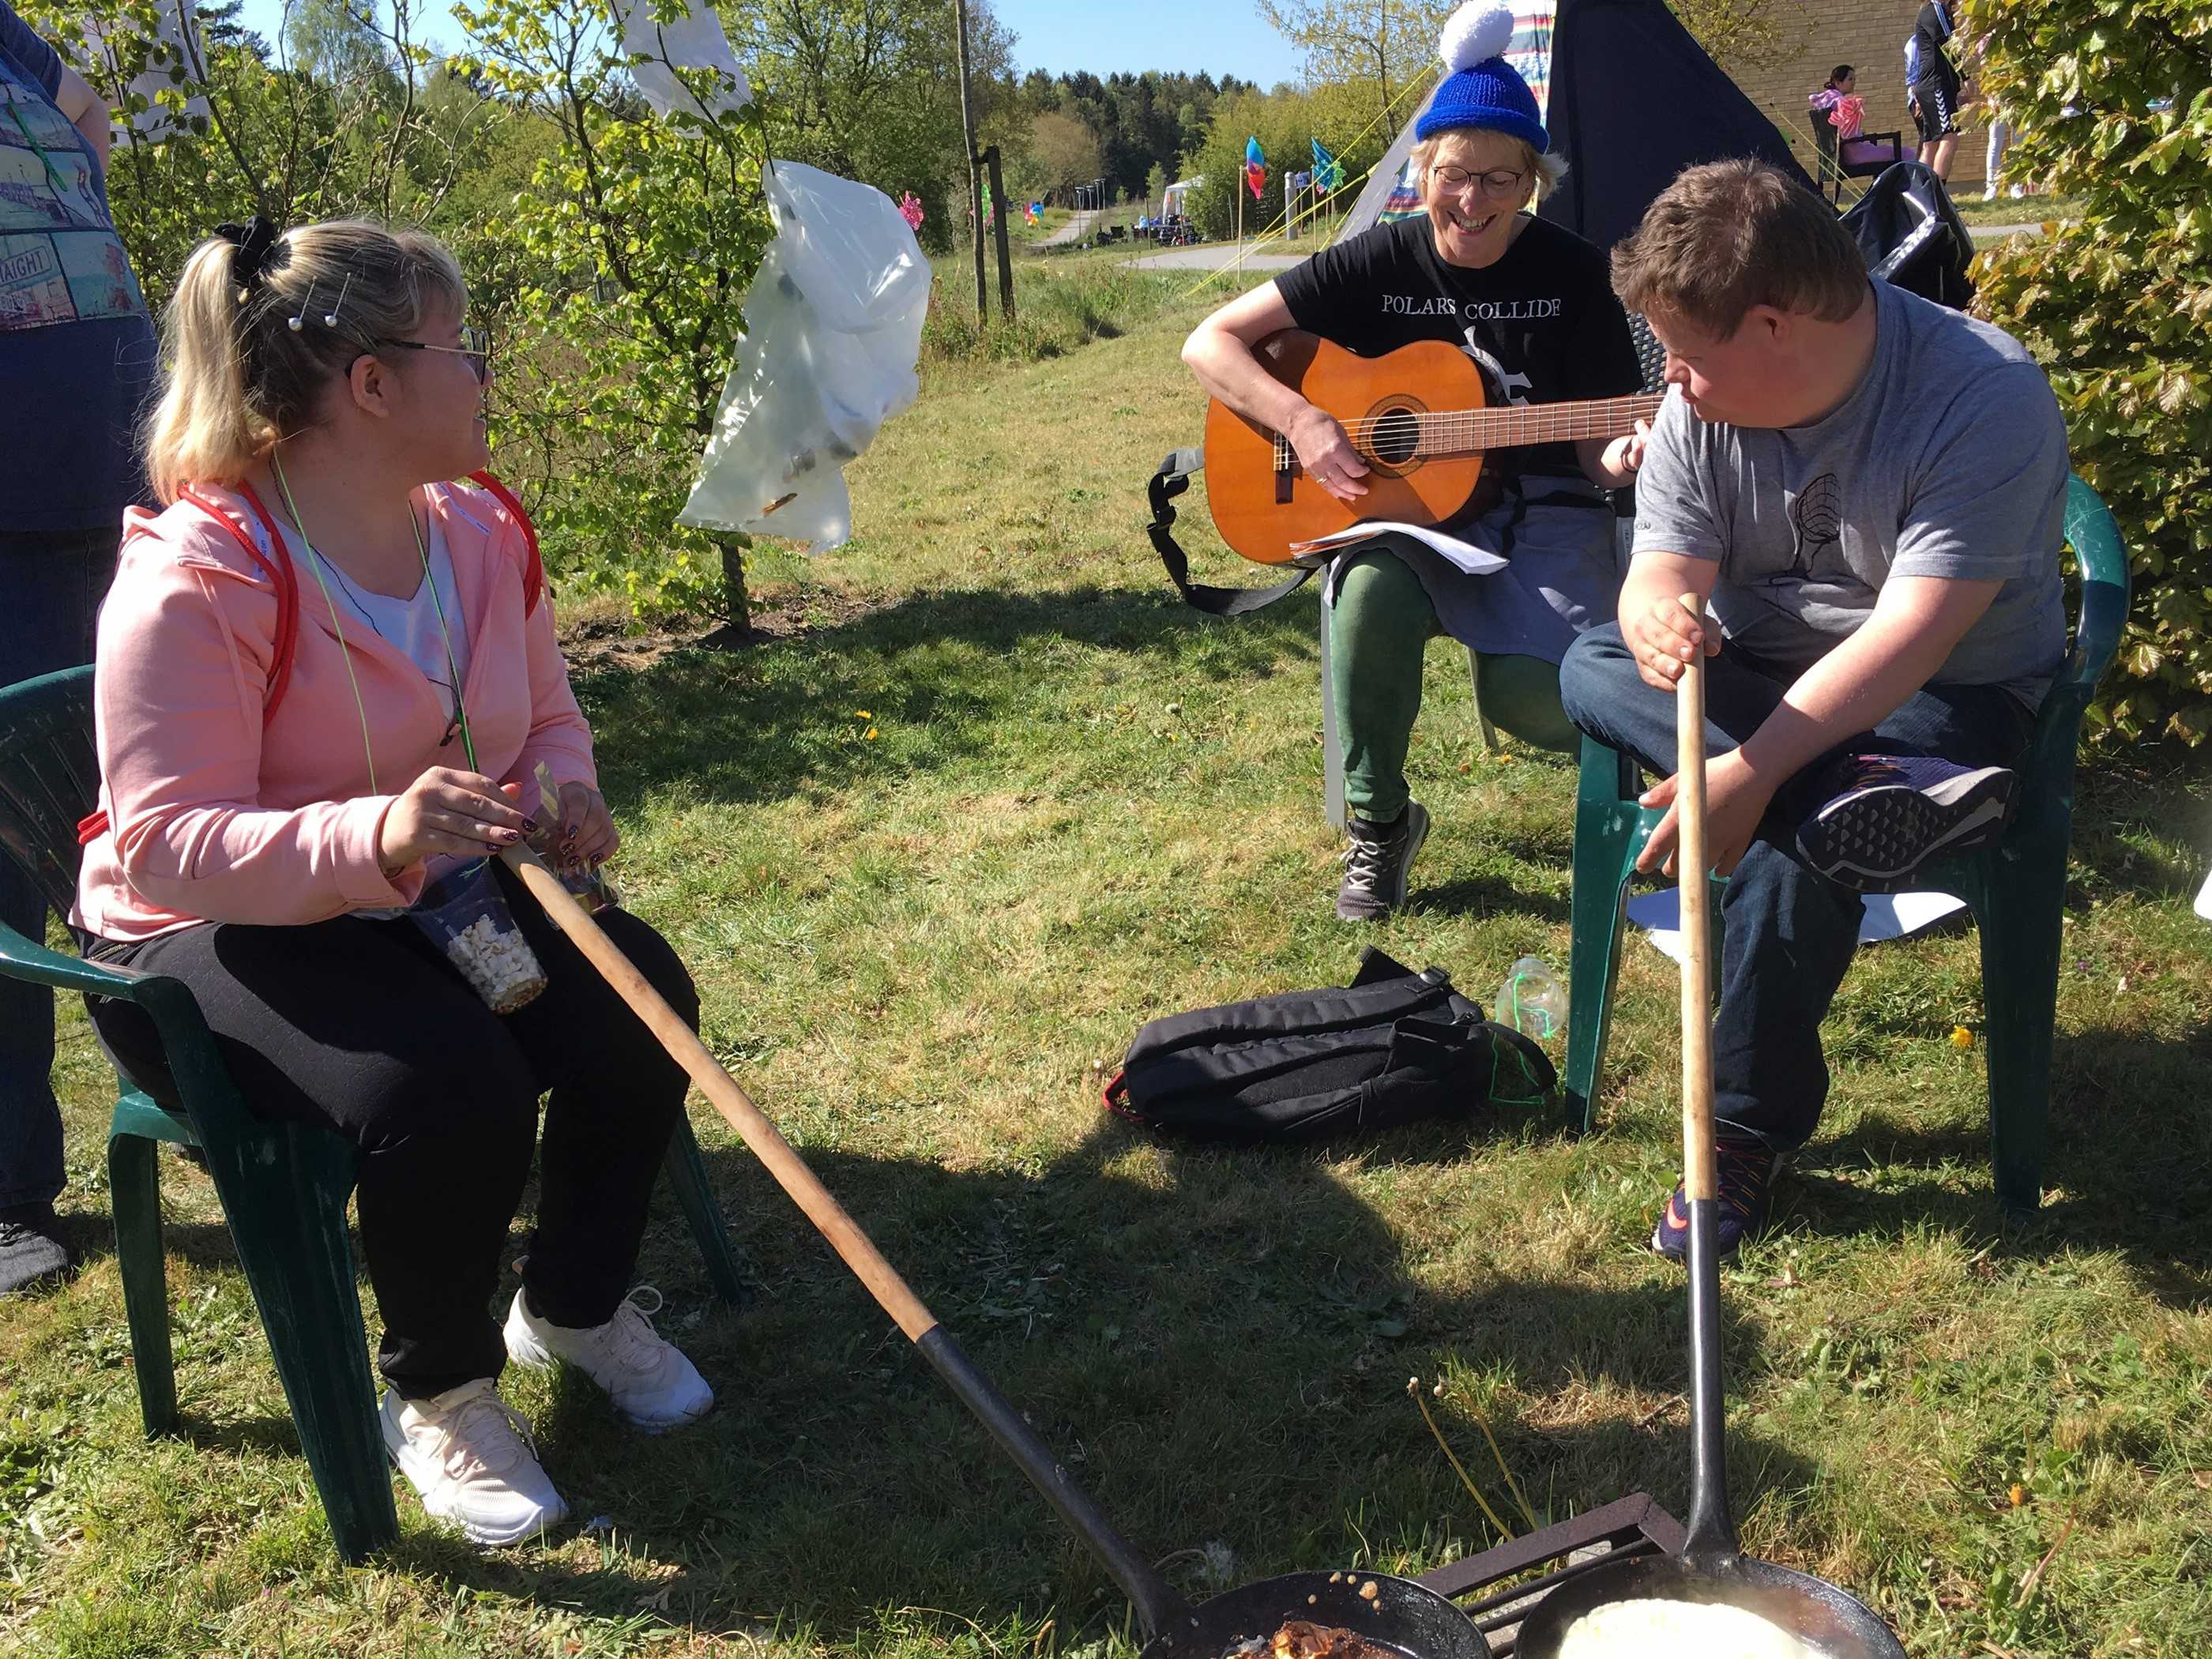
x=1400, y=435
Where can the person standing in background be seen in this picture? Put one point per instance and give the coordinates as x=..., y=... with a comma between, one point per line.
x=76, y=362
x=1935, y=87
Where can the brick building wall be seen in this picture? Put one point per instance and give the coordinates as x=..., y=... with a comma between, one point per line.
x=1869, y=35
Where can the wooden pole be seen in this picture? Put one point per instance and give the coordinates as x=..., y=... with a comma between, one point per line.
x=1694, y=875
x=967, y=148
x=998, y=234
x=891, y=1292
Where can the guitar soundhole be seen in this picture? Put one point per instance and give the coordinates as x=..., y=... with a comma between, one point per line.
x=1397, y=437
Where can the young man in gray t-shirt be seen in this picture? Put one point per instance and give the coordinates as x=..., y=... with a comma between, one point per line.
x=1868, y=490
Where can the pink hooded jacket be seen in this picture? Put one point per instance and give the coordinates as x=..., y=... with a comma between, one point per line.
x=213, y=815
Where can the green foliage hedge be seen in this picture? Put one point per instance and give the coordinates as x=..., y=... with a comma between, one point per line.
x=2116, y=113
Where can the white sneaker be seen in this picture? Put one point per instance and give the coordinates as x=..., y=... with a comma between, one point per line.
x=647, y=1377
x=469, y=1456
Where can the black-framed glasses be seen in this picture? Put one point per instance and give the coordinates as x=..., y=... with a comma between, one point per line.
x=1498, y=184
x=476, y=346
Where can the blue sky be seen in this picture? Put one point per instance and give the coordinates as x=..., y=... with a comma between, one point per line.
x=1223, y=36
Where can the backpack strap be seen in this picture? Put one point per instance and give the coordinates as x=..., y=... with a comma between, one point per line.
x=280, y=572
x=94, y=825
x=534, y=569
x=1170, y=481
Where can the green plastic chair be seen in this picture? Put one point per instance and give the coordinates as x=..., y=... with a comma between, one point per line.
x=283, y=1186
x=2015, y=886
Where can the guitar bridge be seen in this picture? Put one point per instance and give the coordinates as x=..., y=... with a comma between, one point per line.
x=1286, y=467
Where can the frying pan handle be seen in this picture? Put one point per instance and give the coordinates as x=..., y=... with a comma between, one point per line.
x=1159, y=1609
x=1157, y=1606
x=1711, y=1534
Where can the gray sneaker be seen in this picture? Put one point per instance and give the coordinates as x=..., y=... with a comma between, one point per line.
x=31, y=1248
x=1376, y=861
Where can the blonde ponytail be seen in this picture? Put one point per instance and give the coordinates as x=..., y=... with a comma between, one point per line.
x=241, y=378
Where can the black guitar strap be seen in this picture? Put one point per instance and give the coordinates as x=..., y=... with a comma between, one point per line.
x=1170, y=481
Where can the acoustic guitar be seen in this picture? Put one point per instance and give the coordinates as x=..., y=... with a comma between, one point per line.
x=1417, y=415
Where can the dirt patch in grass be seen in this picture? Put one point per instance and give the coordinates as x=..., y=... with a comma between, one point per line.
x=600, y=637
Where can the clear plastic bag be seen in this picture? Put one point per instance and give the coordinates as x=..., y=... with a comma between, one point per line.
x=833, y=329
x=594, y=888
x=464, y=913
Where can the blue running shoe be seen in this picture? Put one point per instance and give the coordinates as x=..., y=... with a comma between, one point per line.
x=1747, y=1185
x=1890, y=814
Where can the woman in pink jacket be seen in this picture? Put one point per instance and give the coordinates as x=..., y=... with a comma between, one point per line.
x=328, y=681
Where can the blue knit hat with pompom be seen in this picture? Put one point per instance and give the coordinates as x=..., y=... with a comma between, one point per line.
x=1480, y=88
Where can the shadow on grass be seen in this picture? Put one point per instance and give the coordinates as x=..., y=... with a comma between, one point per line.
x=2129, y=1164
x=1216, y=1344
x=954, y=665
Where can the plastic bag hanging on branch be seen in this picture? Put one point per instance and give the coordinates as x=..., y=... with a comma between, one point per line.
x=833, y=331
x=691, y=39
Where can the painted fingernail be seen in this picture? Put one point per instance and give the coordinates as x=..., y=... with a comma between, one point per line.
x=530, y=825
x=509, y=835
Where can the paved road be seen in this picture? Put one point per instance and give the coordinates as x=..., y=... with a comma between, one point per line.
x=1998, y=233
x=1214, y=256
x=1074, y=230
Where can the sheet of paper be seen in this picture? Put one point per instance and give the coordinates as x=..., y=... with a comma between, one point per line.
x=2204, y=899
x=1467, y=557
x=1888, y=915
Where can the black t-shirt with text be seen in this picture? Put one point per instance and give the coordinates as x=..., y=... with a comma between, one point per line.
x=1542, y=322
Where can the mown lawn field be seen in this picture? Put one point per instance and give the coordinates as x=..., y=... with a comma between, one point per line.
x=988, y=799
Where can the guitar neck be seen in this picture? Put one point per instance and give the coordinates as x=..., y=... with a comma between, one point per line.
x=1476, y=431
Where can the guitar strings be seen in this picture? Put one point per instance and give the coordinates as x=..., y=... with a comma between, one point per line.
x=1539, y=414
x=1440, y=431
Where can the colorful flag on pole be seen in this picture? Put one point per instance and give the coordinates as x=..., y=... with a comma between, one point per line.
x=1327, y=174
x=1255, y=167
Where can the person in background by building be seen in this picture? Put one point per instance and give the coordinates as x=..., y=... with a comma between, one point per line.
x=1839, y=103
x=76, y=359
x=1837, y=113
x=1934, y=92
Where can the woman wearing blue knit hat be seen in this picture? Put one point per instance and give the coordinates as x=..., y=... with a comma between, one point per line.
x=1532, y=303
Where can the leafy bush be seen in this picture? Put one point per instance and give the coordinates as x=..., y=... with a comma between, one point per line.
x=2116, y=304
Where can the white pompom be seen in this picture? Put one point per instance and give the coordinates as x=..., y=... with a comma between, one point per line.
x=1473, y=34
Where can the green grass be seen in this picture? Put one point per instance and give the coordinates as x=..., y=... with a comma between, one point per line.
x=1976, y=210
x=1085, y=806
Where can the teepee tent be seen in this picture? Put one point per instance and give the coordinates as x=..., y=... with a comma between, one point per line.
x=1630, y=99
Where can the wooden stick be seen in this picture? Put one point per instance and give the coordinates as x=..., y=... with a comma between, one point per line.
x=1700, y=1177
x=891, y=1292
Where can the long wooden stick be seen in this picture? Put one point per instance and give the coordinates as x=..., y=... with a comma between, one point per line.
x=891, y=1292
x=1700, y=1175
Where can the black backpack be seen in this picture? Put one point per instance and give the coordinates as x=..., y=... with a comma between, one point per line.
x=1912, y=236
x=1391, y=1047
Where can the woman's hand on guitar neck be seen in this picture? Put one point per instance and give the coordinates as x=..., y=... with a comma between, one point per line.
x=1621, y=458
x=1327, y=453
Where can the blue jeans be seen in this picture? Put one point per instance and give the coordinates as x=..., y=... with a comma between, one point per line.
x=1788, y=931
x=51, y=587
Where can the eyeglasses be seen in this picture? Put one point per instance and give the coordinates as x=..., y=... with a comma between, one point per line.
x=1499, y=184
x=476, y=346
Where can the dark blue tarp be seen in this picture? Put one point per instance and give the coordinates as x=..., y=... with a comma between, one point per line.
x=1634, y=100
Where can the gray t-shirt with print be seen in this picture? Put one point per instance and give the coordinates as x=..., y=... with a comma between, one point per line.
x=1947, y=460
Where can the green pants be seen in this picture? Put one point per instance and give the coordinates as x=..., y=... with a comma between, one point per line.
x=1378, y=628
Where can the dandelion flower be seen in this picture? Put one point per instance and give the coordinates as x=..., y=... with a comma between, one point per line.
x=1961, y=1037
